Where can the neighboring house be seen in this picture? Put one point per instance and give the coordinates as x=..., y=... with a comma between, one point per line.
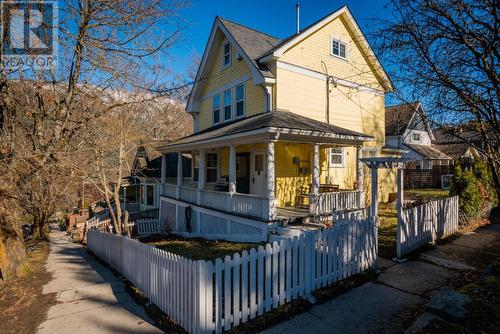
x=406, y=128
x=277, y=122
x=141, y=188
x=454, y=146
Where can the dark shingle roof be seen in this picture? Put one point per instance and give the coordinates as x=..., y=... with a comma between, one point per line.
x=428, y=151
x=253, y=42
x=398, y=117
x=446, y=136
x=275, y=119
x=455, y=150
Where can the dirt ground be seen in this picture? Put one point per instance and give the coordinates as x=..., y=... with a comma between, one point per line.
x=22, y=305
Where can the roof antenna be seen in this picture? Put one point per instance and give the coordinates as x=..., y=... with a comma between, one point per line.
x=297, y=12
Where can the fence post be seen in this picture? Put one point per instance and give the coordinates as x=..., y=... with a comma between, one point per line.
x=399, y=207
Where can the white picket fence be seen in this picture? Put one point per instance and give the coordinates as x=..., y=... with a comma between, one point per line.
x=206, y=297
x=426, y=223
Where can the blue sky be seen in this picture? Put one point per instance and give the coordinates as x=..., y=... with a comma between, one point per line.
x=275, y=17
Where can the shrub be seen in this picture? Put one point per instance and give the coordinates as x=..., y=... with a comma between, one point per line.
x=465, y=185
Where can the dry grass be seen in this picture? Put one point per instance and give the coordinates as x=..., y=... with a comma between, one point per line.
x=426, y=194
x=388, y=222
x=201, y=249
x=22, y=305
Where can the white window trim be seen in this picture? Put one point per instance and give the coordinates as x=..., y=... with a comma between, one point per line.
x=335, y=165
x=224, y=105
x=419, y=137
x=213, y=111
x=217, y=168
x=223, y=54
x=332, y=39
x=236, y=102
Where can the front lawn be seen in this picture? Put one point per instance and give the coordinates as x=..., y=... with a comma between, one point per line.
x=426, y=194
x=201, y=249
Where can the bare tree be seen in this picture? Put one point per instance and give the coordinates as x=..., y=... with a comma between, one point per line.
x=116, y=137
x=447, y=53
x=104, y=44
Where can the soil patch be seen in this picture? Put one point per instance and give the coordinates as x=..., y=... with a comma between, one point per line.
x=23, y=306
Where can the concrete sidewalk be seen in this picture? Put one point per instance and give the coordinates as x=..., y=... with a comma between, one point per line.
x=389, y=304
x=90, y=298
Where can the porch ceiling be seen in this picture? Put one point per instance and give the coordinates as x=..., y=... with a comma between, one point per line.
x=276, y=125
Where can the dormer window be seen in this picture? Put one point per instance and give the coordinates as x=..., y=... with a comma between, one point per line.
x=339, y=49
x=226, y=57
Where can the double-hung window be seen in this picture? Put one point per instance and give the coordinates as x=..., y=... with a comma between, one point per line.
x=339, y=49
x=212, y=167
x=196, y=167
x=240, y=100
x=216, y=109
x=336, y=157
x=226, y=57
x=416, y=137
x=227, y=104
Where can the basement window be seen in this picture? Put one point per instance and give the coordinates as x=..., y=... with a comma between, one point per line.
x=339, y=49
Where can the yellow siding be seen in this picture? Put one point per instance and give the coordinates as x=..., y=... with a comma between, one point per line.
x=316, y=48
x=217, y=77
x=353, y=109
x=288, y=178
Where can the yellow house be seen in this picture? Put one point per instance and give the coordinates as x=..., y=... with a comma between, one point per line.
x=279, y=128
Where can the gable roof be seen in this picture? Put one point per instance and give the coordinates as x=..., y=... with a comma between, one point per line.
x=366, y=49
x=253, y=42
x=277, y=121
x=428, y=151
x=398, y=117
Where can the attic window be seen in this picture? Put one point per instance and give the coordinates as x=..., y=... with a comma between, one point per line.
x=339, y=49
x=416, y=137
x=226, y=58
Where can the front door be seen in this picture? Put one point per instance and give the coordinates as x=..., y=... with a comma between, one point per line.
x=258, y=179
x=243, y=173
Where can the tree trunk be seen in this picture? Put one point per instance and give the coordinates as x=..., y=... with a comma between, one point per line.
x=13, y=260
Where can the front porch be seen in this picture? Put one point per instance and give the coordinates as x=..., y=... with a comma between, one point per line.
x=279, y=170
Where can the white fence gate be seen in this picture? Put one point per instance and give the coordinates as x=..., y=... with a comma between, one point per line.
x=206, y=297
x=426, y=223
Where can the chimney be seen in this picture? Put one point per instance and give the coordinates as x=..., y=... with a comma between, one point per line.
x=297, y=12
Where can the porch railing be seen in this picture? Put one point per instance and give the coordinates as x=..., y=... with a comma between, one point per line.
x=241, y=204
x=326, y=203
x=169, y=190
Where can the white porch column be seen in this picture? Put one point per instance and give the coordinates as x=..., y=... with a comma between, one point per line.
x=232, y=169
x=270, y=174
x=399, y=207
x=179, y=173
x=359, y=170
x=201, y=174
x=374, y=204
x=163, y=168
x=314, y=191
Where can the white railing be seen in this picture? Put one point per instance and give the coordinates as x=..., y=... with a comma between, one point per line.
x=147, y=226
x=355, y=214
x=326, y=203
x=206, y=297
x=169, y=190
x=240, y=204
x=426, y=223
x=188, y=194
